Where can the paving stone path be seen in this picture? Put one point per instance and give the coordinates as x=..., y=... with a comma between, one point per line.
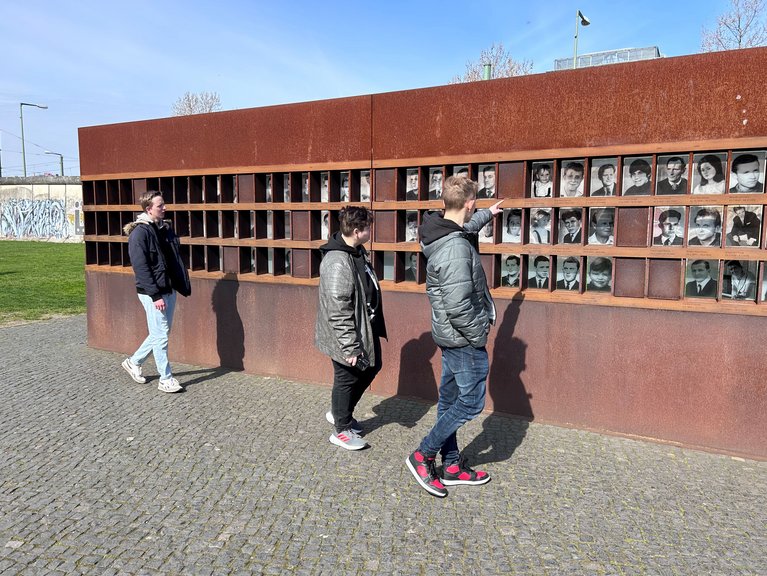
x=99, y=475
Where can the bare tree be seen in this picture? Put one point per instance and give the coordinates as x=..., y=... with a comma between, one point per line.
x=503, y=65
x=743, y=26
x=197, y=103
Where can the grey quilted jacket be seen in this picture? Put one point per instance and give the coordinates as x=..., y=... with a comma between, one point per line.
x=462, y=309
x=343, y=328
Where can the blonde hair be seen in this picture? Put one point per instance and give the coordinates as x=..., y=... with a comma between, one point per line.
x=458, y=190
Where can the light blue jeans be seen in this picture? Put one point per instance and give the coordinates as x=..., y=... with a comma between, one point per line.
x=156, y=343
x=461, y=398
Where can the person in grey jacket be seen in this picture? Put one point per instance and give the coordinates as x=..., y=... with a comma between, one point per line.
x=462, y=313
x=350, y=321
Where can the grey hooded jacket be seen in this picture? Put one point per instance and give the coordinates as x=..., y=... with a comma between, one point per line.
x=462, y=308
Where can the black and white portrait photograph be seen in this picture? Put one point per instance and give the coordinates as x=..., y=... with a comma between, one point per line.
x=512, y=226
x=599, y=274
x=571, y=178
x=411, y=266
x=542, y=176
x=268, y=187
x=604, y=177
x=569, y=274
x=538, y=273
x=486, y=235
x=672, y=175
x=510, y=267
x=744, y=226
x=708, y=173
x=601, y=225
x=325, y=229
x=486, y=181
x=324, y=195
x=435, y=183
x=343, y=195
x=365, y=186
x=461, y=170
x=305, y=186
x=285, y=189
x=701, y=278
x=705, y=228
x=637, y=176
x=571, y=225
x=411, y=184
x=540, y=226
x=747, y=172
x=739, y=280
x=411, y=226
x=668, y=226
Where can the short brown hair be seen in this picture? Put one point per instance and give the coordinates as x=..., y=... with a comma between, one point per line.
x=458, y=190
x=146, y=199
x=353, y=217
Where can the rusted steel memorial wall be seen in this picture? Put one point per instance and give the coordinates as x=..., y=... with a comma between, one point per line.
x=633, y=192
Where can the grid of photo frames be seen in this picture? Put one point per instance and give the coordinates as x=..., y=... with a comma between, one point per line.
x=678, y=223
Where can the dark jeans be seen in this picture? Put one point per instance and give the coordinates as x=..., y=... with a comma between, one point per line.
x=461, y=398
x=349, y=383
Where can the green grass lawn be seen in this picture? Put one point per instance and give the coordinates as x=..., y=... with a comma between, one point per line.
x=40, y=279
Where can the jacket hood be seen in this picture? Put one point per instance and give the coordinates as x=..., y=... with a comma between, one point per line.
x=142, y=218
x=435, y=227
x=336, y=242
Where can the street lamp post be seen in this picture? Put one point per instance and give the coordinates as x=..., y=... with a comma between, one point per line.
x=21, y=115
x=61, y=159
x=583, y=21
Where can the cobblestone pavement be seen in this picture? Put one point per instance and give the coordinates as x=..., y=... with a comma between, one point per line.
x=99, y=475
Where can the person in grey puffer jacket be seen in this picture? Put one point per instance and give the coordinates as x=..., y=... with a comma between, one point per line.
x=462, y=313
x=350, y=321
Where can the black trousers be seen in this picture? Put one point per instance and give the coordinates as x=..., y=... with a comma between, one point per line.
x=349, y=383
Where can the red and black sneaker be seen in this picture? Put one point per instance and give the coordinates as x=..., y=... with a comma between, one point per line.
x=461, y=473
x=425, y=473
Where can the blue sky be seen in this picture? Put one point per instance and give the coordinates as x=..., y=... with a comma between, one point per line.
x=95, y=62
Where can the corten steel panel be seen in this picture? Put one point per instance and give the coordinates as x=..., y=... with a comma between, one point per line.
x=631, y=227
x=511, y=180
x=644, y=102
x=664, y=279
x=629, y=277
x=658, y=374
x=306, y=133
x=386, y=184
x=385, y=226
x=301, y=260
x=301, y=228
x=246, y=188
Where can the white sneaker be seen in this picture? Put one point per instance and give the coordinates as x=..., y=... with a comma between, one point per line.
x=170, y=385
x=134, y=371
x=348, y=440
x=355, y=427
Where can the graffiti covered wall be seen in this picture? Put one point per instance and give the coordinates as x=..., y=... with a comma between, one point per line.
x=41, y=209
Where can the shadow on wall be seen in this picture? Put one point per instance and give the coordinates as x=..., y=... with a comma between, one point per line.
x=416, y=379
x=502, y=434
x=230, y=335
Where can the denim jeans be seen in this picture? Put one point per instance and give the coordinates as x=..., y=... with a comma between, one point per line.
x=461, y=398
x=156, y=342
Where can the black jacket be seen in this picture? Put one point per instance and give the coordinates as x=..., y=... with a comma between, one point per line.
x=154, y=255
